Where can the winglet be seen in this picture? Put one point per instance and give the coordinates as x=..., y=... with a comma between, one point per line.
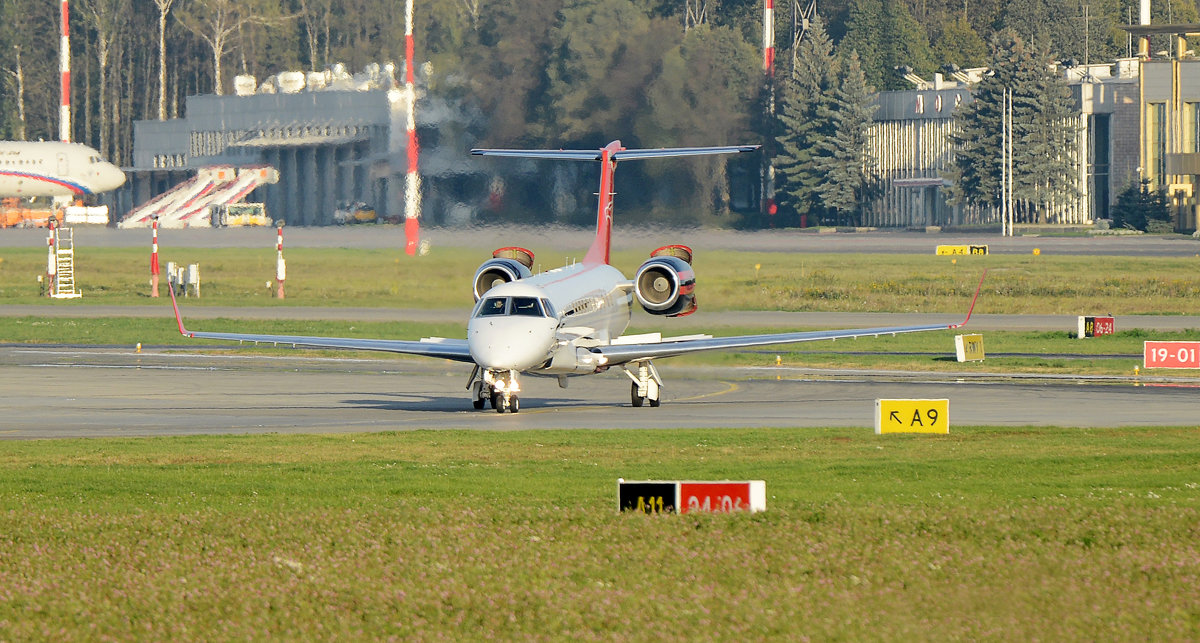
x=973, y=300
x=178, y=319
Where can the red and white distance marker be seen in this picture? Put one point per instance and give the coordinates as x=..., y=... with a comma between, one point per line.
x=1182, y=354
x=679, y=496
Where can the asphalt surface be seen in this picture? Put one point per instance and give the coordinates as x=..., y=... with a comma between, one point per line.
x=71, y=392
x=90, y=392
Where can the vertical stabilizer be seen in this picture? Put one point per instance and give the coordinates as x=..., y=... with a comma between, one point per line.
x=599, y=251
x=608, y=157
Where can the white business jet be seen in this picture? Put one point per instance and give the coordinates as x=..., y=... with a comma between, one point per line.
x=569, y=321
x=54, y=169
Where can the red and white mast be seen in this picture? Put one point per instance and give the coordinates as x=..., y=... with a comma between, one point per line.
x=769, y=38
x=154, y=259
x=64, y=68
x=412, y=185
x=768, y=169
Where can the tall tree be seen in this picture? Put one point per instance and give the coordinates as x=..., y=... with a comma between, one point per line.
x=851, y=180
x=957, y=43
x=886, y=36
x=217, y=23
x=1042, y=140
x=107, y=19
x=164, y=9
x=606, y=51
x=806, y=92
x=700, y=97
x=508, y=69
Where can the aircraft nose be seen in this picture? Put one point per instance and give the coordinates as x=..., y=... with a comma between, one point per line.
x=113, y=177
x=510, y=343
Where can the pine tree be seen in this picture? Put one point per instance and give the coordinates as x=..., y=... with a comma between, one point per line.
x=806, y=90
x=1138, y=205
x=1042, y=141
x=850, y=177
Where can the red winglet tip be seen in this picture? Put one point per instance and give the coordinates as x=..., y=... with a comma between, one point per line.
x=974, y=299
x=178, y=319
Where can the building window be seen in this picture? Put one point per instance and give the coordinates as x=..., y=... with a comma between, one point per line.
x=1156, y=144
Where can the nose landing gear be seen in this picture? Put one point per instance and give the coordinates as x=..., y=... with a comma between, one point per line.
x=499, y=388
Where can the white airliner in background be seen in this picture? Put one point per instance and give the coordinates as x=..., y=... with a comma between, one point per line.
x=570, y=320
x=54, y=169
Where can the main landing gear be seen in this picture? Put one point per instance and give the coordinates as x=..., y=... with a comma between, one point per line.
x=647, y=385
x=499, y=388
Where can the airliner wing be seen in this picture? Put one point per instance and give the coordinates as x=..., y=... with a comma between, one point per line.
x=622, y=353
x=452, y=349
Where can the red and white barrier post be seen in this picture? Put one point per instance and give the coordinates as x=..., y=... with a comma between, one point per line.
x=154, y=260
x=280, y=272
x=412, y=185
x=51, y=260
x=64, y=70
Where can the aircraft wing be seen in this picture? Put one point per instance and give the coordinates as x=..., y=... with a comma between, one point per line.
x=622, y=353
x=452, y=349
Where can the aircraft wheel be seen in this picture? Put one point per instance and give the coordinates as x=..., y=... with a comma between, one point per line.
x=634, y=397
x=514, y=404
x=477, y=403
x=654, y=402
x=498, y=402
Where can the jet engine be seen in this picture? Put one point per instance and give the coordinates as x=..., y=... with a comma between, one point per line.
x=506, y=264
x=665, y=284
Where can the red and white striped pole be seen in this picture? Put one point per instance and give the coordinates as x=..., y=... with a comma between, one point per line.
x=768, y=179
x=154, y=260
x=51, y=260
x=769, y=38
x=280, y=272
x=64, y=68
x=412, y=185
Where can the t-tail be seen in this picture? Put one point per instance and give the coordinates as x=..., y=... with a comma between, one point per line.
x=608, y=157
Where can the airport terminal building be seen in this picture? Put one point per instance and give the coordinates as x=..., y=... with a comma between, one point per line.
x=336, y=141
x=339, y=141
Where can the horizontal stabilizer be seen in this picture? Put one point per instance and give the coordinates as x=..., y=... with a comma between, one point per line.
x=594, y=155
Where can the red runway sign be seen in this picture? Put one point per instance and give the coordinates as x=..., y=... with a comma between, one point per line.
x=1171, y=355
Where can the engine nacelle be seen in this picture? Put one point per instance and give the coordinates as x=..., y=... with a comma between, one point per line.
x=506, y=264
x=665, y=284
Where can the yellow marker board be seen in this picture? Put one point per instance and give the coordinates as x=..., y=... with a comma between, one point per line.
x=962, y=250
x=912, y=416
x=969, y=348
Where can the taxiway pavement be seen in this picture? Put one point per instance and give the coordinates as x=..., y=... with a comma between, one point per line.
x=71, y=392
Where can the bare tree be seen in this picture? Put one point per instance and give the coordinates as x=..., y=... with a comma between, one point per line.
x=217, y=22
x=17, y=74
x=164, y=8
x=316, y=15
x=107, y=18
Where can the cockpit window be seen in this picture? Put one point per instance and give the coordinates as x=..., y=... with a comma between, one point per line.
x=493, y=306
x=527, y=306
x=523, y=306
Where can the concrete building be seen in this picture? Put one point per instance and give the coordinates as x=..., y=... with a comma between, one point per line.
x=910, y=142
x=335, y=140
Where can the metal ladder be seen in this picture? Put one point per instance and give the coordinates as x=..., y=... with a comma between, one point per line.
x=64, y=281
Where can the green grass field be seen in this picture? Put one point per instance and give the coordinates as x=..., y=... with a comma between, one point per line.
x=988, y=533
x=1012, y=534
x=726, y=280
